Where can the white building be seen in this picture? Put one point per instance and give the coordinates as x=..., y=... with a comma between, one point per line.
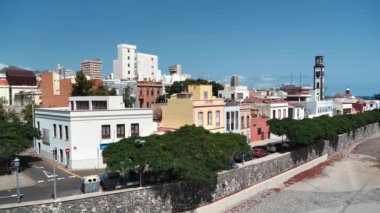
x=131, y=65
x=234, y=93
x=296, y=111
x=77, y=135
x=272, y=108
x=317, y=108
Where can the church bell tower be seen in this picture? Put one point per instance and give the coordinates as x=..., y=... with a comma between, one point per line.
x=319, y=79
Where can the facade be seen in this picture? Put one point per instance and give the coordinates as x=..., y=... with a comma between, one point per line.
x=317, y=108
x=17, y=86
x=195, y=107
x=296, y=111
x=92, y=68
x=233, y=91
x=78, y=134
x=55, y=92
x=147, y=93
x=272, y=108
x=259, y=129
x=232, y=121
x=131, y=65
x=245, y=121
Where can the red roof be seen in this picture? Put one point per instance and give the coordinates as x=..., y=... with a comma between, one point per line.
x=4, y=82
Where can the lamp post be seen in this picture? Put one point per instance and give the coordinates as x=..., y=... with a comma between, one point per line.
x=55, y=182
x=34, y=125
x=16, y=164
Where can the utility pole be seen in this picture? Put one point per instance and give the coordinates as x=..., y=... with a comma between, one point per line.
x=16, y=163
x=34, y=125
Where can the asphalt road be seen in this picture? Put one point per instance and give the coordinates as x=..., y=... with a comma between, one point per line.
x=41, y=171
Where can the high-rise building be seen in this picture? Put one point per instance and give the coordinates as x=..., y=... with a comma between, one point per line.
x=92, y=68
x=131, y=65
x=175, y=69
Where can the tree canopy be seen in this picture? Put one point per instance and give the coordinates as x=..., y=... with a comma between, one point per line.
x=308, y=131
x=15, y=136
x=180, y=86
x=85, y=87
x=189, y=153
x=376, y=96
x=128, y=100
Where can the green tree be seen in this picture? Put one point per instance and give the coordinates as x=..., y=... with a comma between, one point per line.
x=128, y=100
x=180, y=86
x=376, y=96
x=190, y=153
x=82, y=86
x=104, y=91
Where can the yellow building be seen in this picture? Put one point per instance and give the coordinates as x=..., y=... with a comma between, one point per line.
x=196, y=106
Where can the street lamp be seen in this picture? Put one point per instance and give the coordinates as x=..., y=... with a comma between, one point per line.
x=16, y=165
x=55, y=182
x=34, y=138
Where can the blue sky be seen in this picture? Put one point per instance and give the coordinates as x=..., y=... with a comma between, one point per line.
x=261, y=41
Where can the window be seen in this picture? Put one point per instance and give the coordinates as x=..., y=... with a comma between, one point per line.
x=209, y=118
x=60, y=132
x=284, y=113
x=237, y=120
x=129, y=65
x=67, y=132
x=317, y=85
x=242, y=122
x=259, y=131
x=99, y=105
x=205, y=95
x=83, y=105
x=279, y=114
x=72, y=105
x=200, y=118
x=106, y=131
x=151, y=93
x=240, y=96
x=147, y=92
x=129, y=58
x=128, y=50
x=129, y=72
x=228, y=121
x=274, y=113
x=248, y=122
x=232, y=120
x=61, y=155
x=120, y=129
x=55, y=153
x=38, y=126
x=135, y=130
x=217, y=118
x=158, y=92
x=55, y=130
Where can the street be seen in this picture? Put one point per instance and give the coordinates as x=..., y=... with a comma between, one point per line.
x=39, y=175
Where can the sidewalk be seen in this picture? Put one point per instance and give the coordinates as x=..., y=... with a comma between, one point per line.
x=9, y=181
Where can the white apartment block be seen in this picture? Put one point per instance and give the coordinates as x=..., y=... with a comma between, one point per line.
x=131, y=65
x=92, y=68
x=77, y=135
x=234, y=93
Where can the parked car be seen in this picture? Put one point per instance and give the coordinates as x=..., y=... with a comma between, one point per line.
x=111, y=181
x=259, y=152
x=243, y=156
x=271, y=147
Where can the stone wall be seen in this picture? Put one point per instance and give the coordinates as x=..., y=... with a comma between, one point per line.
x=173, y=197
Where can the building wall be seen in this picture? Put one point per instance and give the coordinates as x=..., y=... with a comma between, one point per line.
x=245, y=122
x=147, y=66
x=259, y=129
x=55, y=91
x=232, y=121
x=92, y=68
x=177, y=113
x=213, y=108
x=85, y=132
x=198, y=92
x=147, y=93
x=124, y=67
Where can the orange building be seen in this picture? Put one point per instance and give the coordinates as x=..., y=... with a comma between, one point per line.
x=147, y=93
x=259, y=128
x=55, y=91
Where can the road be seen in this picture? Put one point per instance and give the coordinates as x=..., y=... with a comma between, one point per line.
x=351, y=184
x=40, y=172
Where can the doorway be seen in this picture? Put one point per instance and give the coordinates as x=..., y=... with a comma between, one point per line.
x=39, y=148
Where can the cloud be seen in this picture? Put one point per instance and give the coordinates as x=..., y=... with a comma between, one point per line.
x=266, y=78
x=3, y=66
